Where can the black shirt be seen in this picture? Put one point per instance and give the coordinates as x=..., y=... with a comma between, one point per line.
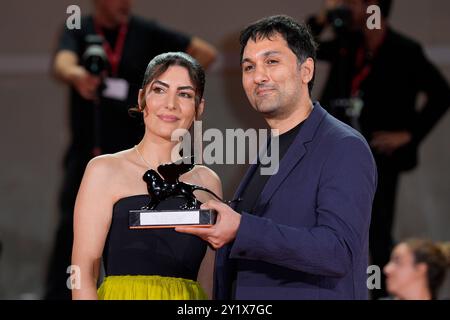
x=118, y=131
x=257, y=182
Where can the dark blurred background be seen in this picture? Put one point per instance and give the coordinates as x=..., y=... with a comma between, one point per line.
x=34, y=132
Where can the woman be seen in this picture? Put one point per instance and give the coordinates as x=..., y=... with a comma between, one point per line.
x=149, y=263
x=417, y=269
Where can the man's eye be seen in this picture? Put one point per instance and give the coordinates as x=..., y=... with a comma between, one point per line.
x=186, y=95
x=272, y=61
x=248, y=67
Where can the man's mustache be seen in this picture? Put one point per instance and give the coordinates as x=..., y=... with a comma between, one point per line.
x=264, y=87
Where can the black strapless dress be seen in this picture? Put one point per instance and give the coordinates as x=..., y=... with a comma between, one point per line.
x=150, y=263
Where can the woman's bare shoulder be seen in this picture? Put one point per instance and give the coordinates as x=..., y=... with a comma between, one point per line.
x=206, y=177
x=108, y=165
x=205, y=174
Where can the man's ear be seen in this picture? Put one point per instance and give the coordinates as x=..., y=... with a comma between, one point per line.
x=200, y=109
x=307, y=71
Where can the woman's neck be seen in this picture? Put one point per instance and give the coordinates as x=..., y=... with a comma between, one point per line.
x=419, y=293
x=157, y=150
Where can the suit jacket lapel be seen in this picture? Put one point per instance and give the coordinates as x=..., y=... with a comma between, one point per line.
x=293, y=156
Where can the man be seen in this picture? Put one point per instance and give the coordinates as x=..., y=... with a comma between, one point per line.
x=301, y=233
x=99, y=119
x=375, y=78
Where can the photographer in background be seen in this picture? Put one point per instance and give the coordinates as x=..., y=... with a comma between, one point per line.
x=99, y=119
x=373, y=84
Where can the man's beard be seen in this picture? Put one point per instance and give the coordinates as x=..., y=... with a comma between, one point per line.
x=268, y=105
x=276, y=106
x=273, y=107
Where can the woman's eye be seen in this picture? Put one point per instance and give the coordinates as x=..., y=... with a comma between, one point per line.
x=158, y=90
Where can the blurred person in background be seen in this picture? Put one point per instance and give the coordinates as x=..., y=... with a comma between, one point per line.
x=99, y=102
x=373, y=84
x=417, y=269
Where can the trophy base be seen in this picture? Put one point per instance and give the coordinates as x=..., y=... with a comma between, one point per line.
x=147, y=219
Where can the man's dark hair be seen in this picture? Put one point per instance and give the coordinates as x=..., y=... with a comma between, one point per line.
x=297, y=36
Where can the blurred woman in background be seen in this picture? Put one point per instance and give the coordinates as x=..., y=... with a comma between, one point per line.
x=417, y=269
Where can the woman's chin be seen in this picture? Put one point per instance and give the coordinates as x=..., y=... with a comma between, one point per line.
x=391, y=289
x=171, y=132
x=169, y=135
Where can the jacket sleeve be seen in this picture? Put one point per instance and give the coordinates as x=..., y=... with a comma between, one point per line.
x=344, y=202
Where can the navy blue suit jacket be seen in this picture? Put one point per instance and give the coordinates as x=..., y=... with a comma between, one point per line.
x=308, y=236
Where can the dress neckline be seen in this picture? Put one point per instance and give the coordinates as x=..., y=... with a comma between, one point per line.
x=129, y=197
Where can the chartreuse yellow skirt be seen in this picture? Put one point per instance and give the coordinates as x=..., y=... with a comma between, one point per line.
x=150, y=288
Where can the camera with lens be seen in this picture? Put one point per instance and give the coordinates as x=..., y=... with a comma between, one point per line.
x=340, y=18
x=94, y=58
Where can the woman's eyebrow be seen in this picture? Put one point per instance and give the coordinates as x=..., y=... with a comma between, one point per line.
x=162, y=83
x=179, y=88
